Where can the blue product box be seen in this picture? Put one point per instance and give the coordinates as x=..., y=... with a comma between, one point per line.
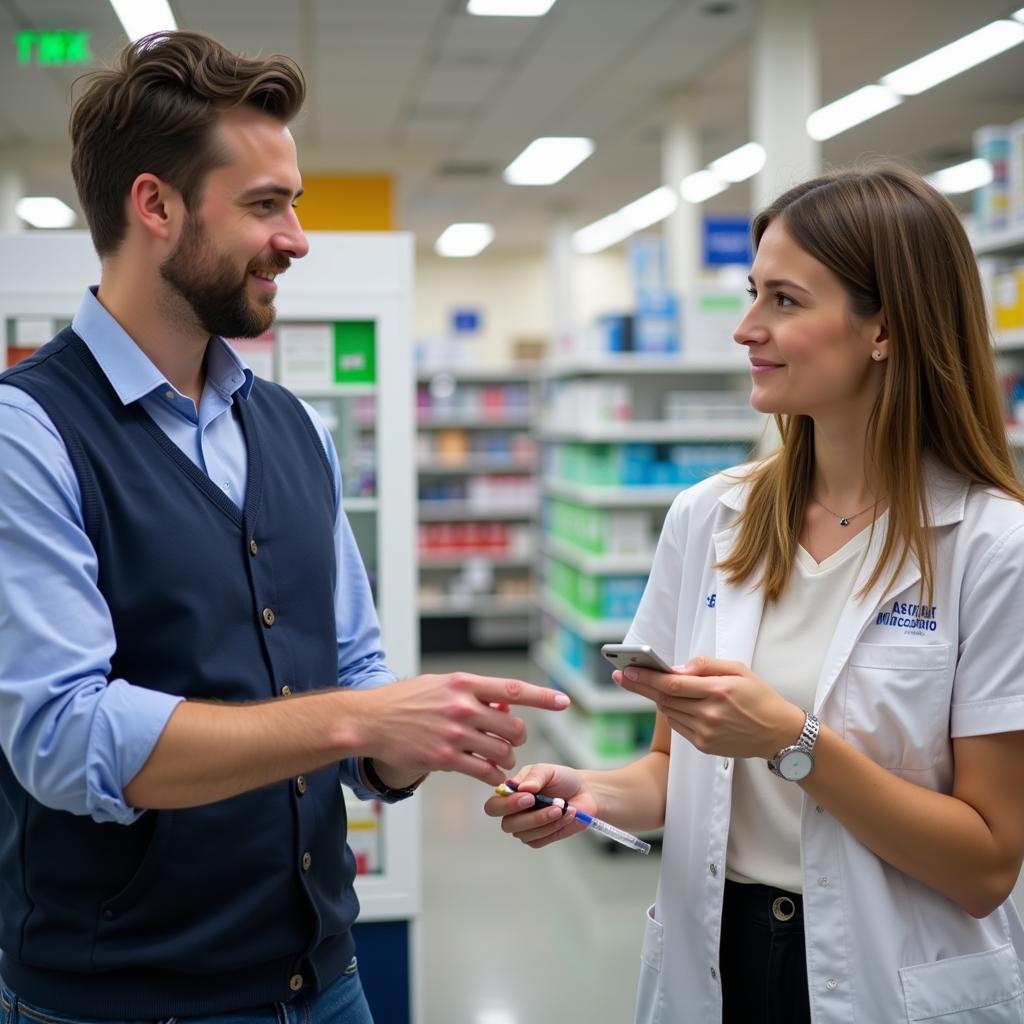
x=621, y=596
x=656, y=333
x=663, y=474
x=573, y=649
x=647, y=263
x=658, y=303
x=616, y=332
x=635, y=463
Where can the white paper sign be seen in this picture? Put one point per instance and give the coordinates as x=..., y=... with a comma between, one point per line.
x=307, y=356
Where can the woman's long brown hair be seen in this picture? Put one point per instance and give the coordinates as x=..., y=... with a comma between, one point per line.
x=897, y=245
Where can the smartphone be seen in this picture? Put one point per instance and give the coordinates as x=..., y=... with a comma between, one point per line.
x=621, y=655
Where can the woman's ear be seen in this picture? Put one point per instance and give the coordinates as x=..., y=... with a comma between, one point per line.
x=880, y=341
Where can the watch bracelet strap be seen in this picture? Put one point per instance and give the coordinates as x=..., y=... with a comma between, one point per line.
x=383, y=789
x=805, y=741
x=809, y=733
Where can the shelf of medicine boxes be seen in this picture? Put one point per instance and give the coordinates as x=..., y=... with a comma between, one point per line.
x=477, y=464
x=595, y=491
x=1008, y=341
x=346, y=279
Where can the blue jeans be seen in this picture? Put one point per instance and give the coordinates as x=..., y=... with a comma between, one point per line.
x=342, y=1002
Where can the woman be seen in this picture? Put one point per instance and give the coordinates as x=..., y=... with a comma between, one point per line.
x=848, y=613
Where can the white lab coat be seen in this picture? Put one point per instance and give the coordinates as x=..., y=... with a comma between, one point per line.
x=897, y=683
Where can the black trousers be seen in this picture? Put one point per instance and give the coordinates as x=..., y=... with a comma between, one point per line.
x=762, y=960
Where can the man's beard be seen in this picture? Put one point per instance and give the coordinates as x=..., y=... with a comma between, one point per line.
x=208, y=282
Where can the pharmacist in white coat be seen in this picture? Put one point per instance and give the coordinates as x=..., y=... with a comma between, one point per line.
x=838, y=758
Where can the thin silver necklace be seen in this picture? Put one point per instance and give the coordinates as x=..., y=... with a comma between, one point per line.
x=845, y=520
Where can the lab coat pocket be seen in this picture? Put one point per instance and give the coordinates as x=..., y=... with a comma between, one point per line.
x=980, y=988
x=649, y=994
x=897, y=703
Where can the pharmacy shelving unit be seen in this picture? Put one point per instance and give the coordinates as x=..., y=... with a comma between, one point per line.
x=1007, y=247
x=343, y=341
x=477, y=463
x=1008, y=244
x=603, y=510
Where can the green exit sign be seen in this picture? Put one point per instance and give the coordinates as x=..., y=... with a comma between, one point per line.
x=52, y=48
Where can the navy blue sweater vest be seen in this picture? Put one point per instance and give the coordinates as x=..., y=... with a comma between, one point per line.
x=217, y=907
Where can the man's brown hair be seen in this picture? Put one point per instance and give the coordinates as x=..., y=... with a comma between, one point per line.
x=155, y=111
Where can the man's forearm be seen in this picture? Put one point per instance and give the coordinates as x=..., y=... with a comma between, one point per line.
x=209, y=752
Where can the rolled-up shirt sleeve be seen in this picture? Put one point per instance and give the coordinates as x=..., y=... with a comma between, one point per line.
x=73, y=737
x=361, y=658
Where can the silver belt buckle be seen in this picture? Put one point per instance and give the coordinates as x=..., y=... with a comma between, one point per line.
x=783, y=908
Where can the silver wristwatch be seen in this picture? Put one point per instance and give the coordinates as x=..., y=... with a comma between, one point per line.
x=795, y=763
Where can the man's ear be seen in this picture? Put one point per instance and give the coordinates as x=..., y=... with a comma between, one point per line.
x=156, y=207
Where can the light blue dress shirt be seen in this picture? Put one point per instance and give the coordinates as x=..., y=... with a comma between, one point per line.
x=73, y=737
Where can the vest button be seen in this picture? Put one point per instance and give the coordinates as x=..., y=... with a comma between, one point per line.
x=286, y=690
x=295, y=982
x=268, y=617
x=300, y=784
x=306, y=861
x=252, y=547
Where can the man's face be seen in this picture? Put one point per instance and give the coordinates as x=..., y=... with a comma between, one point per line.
x=244, y=231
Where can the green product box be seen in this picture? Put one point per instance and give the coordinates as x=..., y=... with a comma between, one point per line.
x=602, y=466
x=592, y=530
x=643, y=729
x=562, y=580
x=582, y=527
x=588, y=595
x=573, y=463
x=613, y=733
x=355, y=352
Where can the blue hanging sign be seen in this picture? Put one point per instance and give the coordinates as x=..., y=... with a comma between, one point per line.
x=726, y=241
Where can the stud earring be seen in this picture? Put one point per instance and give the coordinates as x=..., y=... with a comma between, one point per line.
x=876, y=355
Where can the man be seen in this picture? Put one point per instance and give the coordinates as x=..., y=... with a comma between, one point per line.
x=186, y=673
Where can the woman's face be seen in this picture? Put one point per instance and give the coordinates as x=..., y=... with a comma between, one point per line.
x=809, y=354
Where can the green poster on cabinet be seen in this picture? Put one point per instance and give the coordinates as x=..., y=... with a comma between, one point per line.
x=355, y=352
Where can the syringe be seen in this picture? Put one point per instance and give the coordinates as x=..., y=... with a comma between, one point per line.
x=508, y=787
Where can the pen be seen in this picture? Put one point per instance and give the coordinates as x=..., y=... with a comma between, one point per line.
x=508, y=787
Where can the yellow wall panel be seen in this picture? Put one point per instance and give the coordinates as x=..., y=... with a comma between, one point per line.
x=344, y=202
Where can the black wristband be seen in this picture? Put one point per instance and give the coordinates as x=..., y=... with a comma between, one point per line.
x=383, y=789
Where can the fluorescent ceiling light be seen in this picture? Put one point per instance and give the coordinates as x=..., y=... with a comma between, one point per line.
x=740, y=164
x=701, y=185
x=850, y=110
x=633, y=217
x=965, y=177
x=141, y=17
x=547, y=160
x=1018, y=15
x=464, y=239
x=601, y=234
x=45, y=212
x=495, y=1017
x=510, y=8
x=956, y=57
x=649, y=209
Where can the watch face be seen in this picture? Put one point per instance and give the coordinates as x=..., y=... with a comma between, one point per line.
x=795, y=765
